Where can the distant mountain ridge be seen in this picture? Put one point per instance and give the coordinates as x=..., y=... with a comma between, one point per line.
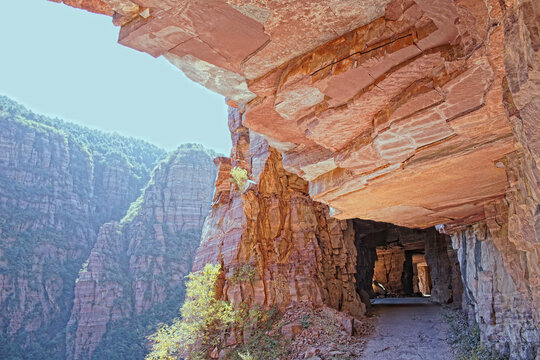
x=59, y=184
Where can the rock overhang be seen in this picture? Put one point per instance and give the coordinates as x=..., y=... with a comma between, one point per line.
x=391, y=109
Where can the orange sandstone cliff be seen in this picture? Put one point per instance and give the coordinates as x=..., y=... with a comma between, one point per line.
x=411, y=112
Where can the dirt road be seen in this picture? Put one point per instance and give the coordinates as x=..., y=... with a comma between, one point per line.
x=408, y=329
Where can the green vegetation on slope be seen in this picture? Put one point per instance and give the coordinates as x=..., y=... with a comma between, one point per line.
x=465, y=338
x=59, y=182
x=157, y=239
x=204, y=317
x=103, y=147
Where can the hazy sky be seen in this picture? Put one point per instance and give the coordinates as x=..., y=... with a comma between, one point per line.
x=66, y=62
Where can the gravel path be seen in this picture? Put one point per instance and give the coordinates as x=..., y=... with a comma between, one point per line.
x=408, y=329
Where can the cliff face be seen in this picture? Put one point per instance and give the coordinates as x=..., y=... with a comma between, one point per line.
x=366, y=101
x=55, y=192
x=46, y=232
x=412, y=112
x=134, y=276
x=296, y=250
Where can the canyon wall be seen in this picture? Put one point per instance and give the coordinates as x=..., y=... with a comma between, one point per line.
x=500, y=255
x=134, y=276
x=56, y=189
x=297, y=251
x=496, y=296
x=278, y=247
x=46, y=233
x=411, y=112
x=70, y=285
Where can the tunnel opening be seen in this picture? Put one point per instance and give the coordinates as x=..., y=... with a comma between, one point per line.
x=395, y=262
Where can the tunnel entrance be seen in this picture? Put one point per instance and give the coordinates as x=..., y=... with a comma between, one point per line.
x=399, y=262
x=399, y=271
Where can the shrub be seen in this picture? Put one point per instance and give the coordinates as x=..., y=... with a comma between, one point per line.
x=305, y=321
x=465, y=338
x=239, y=177
x=204, y=320
x=242, y=274
x=264, y=340
x=246, y=356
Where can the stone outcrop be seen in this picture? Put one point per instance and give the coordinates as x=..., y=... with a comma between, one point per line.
x=412, y=112
x=501, y=306
x=422, y=80
x=45, y=181
x=278, y=247
x=137, y=266
x=446, y=286
x=56, y=189
x=297, y=251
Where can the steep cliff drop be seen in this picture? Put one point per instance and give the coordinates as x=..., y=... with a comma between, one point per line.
x=133, y=279
x=300, y=254
x=57, y=187
x=70, y=285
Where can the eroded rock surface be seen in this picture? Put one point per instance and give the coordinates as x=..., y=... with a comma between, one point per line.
x=56, y=190
x=369, y=102
x=297, y=251
x=412, y=112
x=135, y=273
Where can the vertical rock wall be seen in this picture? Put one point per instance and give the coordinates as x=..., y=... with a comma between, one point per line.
x=500, y=257
x=445, y=274
x=500, y=305
x=135, y=273
x=46, y=232
x=59, y=182
x=298, y=252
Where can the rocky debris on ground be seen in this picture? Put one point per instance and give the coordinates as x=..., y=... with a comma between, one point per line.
x=324, y=333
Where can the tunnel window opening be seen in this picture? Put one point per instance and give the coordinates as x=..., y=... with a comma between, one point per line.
x=399, y=262
x=400, y=272
x=422, y=275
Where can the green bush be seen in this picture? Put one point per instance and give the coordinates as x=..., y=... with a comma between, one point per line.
x=246, y=356
x=239, y=176
x=264, y=341
x=243, y=273
x=465, y=338
x=306, y=321
x=204, y=320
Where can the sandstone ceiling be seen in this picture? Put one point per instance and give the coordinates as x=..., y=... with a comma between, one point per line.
x=391, y=109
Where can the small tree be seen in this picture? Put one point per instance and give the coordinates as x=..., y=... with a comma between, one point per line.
x=204, y=319
x=240, y=177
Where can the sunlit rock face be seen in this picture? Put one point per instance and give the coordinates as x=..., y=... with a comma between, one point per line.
x=135, y=272
x=391, y=109
x=413, y=112
x=57, y=187
x=294, y=250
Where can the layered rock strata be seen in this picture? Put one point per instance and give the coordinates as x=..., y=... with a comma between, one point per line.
x=500, y=301
x=278, y=247
x=45, y=185
x=296, y=250
x=137, y=266
x=421, y=79
x=56, y=189
x=390, y=109
x=501, y=254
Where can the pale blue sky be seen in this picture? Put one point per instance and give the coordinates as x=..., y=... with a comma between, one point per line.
x=66, y=62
